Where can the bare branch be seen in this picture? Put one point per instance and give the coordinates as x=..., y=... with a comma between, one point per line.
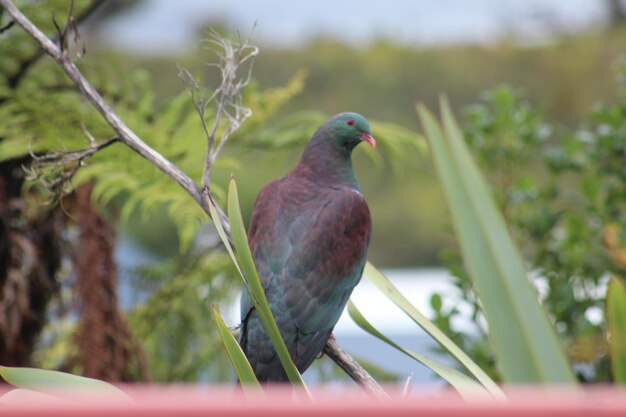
x=228, y=94
x=352, y=368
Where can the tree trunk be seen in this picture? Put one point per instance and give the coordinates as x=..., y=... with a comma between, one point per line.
x=29, y=259
x=106, y=348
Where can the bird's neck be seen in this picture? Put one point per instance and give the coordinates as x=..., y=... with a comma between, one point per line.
x=323, y=163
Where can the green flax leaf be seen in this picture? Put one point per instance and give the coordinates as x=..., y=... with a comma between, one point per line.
x=237, y=357
x=385, y=286
x=466, y=386
x=524, y=342
x=43, y=380
x=616, y=321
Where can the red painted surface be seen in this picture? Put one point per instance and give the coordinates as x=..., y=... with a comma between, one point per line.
x=211, y=401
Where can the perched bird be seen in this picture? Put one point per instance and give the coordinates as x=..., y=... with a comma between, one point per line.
x=309, y=235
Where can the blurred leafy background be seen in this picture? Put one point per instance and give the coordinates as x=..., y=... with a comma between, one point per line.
x=545, y=119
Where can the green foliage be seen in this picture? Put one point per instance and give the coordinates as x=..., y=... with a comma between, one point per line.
x=385, y=78
x=172, y=317
x=505, y=140
x=523, y=340
x=39, y=107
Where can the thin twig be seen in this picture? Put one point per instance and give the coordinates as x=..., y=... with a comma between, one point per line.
x=63, y=34
x=7, y=26
x=67, y=157
x=55, y=170
x=128, y=137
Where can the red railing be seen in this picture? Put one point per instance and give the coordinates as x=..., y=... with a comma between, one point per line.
x=328, y=402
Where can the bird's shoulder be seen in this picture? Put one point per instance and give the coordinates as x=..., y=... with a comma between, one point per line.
x=291, y=197
x=266, y=202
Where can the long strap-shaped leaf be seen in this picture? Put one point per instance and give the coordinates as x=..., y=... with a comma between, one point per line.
x=238, y=359
x=525, y=344
x=383, y=283
x=42, y=380
x=616, y=321
x=250, y=278
x=467, y=387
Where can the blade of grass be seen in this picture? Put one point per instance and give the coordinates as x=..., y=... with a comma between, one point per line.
x=250, y=278
x=467, y=387
x=222, y=234
x=383, y=283
x=525, y=344
x=235, y=354
x=616, y=321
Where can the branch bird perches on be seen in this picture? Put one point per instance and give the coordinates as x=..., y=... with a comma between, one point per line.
x=229, y=106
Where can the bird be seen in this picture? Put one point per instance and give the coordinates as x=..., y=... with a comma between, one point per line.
x=309, y=236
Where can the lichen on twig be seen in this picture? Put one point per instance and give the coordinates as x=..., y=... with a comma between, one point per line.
x=229, y=111
x=55, y=170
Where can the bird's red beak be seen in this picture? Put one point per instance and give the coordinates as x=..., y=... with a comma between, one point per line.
x=369, y=139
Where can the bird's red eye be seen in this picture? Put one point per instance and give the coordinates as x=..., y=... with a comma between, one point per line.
x=350, y=122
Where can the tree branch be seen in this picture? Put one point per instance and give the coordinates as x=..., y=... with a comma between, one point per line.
x=128, y=137
x=353, y=369
x=15, y=79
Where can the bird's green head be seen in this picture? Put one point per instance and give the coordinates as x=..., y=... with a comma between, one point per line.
x=348, y=130
x=327, y=156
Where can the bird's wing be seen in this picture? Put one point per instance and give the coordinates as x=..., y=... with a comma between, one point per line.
x=326, y=259
x=326, y=262
x=309, y=249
